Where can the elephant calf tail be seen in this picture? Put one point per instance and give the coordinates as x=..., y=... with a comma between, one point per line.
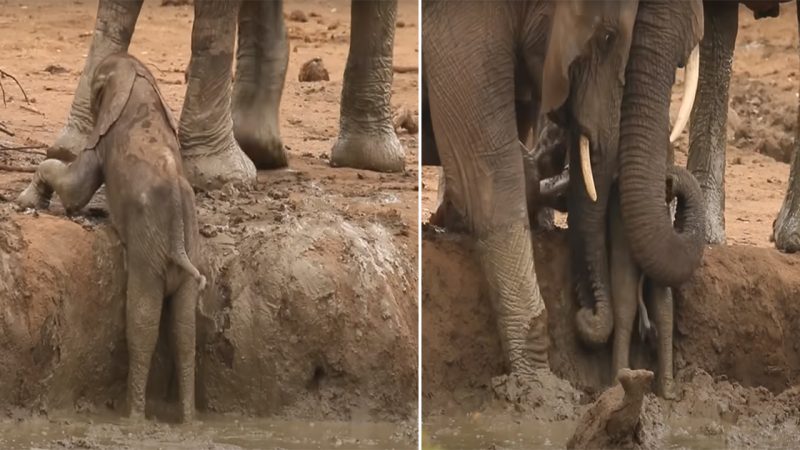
x=182, y=260
x=178, y=254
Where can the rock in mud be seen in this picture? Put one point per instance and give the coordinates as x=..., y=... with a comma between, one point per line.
x=614, y=420
x=405, y=120
x=298, y=16
x=313, y=70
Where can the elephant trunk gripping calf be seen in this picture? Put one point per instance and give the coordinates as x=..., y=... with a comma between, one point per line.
x=133, y=149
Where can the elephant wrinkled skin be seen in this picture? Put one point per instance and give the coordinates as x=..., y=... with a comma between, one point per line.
x=483, y=94
x=226, y=134
x=133, y=149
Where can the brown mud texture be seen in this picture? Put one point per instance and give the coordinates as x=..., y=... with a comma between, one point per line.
x=311, y=311
x=736, y=319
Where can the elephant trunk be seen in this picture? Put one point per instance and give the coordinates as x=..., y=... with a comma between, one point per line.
x=589, y=253
x=690, y=210
x=666, y=255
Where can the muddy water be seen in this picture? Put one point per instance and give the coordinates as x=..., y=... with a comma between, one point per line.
x=497, y=431
x=210, y=432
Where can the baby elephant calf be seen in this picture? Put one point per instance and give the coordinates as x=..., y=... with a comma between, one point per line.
x=134, y=149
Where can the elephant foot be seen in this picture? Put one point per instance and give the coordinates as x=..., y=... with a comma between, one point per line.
x=187, y=416
x=380, y=151
x=786, y=231
x=36, y=195
x=715, y=216
x=135, y=416
x=70, y=142
x=540, y=393
x=207, y=169
x=666, y=388
x=260, y=139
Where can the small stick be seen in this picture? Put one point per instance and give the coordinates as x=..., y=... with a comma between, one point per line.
x=31, y=109
x=6, y=130
x=27, y=169
x=25, y=149
x=405, y=69
x=3, y=73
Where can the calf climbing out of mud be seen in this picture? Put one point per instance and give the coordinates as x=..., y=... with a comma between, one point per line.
x=134, y=150
x=632, y=293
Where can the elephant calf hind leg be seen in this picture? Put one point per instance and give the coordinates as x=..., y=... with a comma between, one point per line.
x=142, y=316
x=183, y=336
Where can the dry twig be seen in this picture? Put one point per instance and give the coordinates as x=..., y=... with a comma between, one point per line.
x=405, y=69
x=4, y=74
x=31, y=149
x=27, y=169
x=5, y=130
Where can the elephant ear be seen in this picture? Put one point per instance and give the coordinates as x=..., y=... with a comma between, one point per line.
x=111, y=88
x=575, y=22
x=142, y=71
x=566, y=41
x=698, y=23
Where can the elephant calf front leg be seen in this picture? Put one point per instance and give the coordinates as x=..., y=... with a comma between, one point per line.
x=75, y=183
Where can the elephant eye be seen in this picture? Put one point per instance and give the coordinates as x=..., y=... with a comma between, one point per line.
x=609, y=36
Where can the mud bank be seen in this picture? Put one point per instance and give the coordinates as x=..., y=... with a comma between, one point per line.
x=310, y=312
x=737, y=320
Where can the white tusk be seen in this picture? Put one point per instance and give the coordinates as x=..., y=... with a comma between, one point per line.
x=689, y=93
x=586, y=169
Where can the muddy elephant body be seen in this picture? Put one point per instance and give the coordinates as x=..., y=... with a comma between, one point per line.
x=225, y=134
x=133, y=149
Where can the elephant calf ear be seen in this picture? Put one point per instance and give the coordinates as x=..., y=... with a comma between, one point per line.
x=115, y=88
x=142, y=71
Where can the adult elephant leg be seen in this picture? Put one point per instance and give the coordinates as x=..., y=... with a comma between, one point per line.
x=707, y=133
x=113, y=28
x=786, y=229
x=624, y=286
x=662, y=306
x=261, y=59
x=366, y=134
x=211, y=156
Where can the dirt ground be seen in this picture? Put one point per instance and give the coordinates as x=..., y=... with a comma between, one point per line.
x=312, y=313
x=736, y=359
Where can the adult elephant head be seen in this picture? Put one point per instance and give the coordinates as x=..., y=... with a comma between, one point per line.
x=582, y=87
x=665, y=35
x=583, y=83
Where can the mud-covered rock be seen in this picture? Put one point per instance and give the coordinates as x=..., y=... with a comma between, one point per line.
x=615, y=421
x=313, y=70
